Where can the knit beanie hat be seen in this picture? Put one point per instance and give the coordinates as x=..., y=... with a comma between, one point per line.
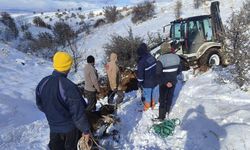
x=90, y=59
x=62, y=61
x=143, y=49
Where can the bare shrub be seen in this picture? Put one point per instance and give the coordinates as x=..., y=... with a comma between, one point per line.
x=125, y=48
x=45, y=40
x=111, y=13
x=9, y=22
x=178, y=7
x=38, y=21
x=23, y=24
x=154, y=39
x=143, y=12
x=99, y=22
x=73, y=15
x=198, y=3
x=82, y=17
x=7, y=34
x=25, y=27
x=84, y=27
x=238, y=44
x=43, y=46
x=66, y=36
x=91, y=14
x=59, y=15
x=27, y=35
x=63, y=33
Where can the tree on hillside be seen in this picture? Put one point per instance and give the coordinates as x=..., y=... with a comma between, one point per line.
x=238, y=43
x=111, y=13
x=91, y=14
x=143, y=12
x=66, y=36
x=125, y=48
x=38, y=21
x=9, y=22
x=178, y=7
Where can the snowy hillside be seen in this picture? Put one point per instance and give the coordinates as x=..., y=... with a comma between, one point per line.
x=213, y=116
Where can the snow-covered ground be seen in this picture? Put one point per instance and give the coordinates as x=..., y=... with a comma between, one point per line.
x=213, y=116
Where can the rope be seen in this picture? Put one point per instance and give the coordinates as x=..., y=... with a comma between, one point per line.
x=166, y=128
x=100, y=147
x=84, y=145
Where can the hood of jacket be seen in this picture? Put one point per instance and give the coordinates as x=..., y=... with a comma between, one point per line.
x=113, y=57
x=142, y=50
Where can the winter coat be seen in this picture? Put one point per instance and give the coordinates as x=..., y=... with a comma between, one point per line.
x=168, y=67
x=62, y=103
x=91, y=80
x=146, y=68
x=113, y=72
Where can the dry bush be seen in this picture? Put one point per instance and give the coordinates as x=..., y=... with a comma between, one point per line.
x=73, y=15
x=82, y=17
x=238, y=44
x=198, y=3
x=154, y=39
x=84, y=27
x=11, y=30
x=111, y=13
x=44, y=40
x=143, y=12
x=38, y=21
x=178, y=7
x=99, y=22
x=125, y=48
x=27, y=35
x=63, y=33
x=91, y=14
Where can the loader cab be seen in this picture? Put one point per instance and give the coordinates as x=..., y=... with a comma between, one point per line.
x=187, y=35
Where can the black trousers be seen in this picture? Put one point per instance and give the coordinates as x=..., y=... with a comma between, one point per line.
x=64, y=141
x=118, y=100
x=166, y=97
x=111, y=95
x=91, y=96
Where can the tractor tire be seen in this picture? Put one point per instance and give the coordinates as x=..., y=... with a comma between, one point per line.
x=211, y=57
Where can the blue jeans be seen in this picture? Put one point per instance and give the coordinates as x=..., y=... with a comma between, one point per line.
x=151, y=94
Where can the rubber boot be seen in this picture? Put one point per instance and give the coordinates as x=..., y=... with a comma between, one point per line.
x=152, y=104
x=146, y=106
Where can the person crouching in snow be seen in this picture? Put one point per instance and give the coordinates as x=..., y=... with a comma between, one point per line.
x=91, y=86
x=146, y=76
x=63, y=105
x=168, y=67
x=114, y=78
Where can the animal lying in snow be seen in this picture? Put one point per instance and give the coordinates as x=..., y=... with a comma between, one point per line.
x=103, y=117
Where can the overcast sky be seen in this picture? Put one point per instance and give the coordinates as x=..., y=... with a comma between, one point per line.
x=32, y=5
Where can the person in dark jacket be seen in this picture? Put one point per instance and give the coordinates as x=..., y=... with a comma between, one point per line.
x=63, y=105
x=168, y=67
x=146, y=76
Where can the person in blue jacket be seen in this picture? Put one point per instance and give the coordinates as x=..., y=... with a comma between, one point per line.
x=63, y=105
x=146, y=76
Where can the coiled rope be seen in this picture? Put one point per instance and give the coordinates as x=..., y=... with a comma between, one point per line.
x=166, y=128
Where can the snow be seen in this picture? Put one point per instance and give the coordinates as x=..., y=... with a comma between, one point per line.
x=213, y=115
